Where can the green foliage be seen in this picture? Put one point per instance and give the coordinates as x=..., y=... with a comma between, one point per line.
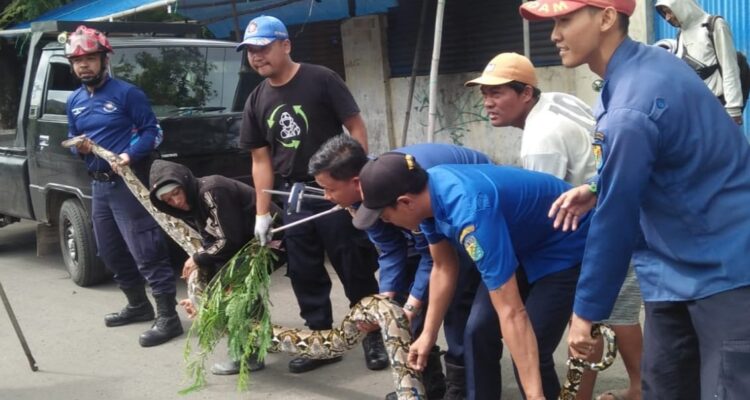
x=23, y=10
x=236, y=303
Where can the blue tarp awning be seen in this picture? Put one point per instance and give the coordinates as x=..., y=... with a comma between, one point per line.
x=218, y=15
x=88, y=10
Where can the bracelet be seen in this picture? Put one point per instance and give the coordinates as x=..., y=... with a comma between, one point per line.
x=412, y=309
x=592, y=187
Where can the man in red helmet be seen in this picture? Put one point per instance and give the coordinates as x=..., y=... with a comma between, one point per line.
x=117, y=116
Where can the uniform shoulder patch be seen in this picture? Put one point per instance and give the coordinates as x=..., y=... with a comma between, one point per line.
x=472, y=247
x=597, y=151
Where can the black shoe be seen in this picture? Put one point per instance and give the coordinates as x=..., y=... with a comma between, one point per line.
x=130, y=314
x=161, y=331
x=302, y=364
x=167, y=323
x=391, y=396
x=376, y=357
x=139, y=309
x=233, y=367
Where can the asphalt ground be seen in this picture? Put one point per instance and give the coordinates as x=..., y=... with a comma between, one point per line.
x=81, y=359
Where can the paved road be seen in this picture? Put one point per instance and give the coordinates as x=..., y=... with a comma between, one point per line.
x=80, y=359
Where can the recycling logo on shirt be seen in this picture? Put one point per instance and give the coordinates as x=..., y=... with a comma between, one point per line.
x=286, y=124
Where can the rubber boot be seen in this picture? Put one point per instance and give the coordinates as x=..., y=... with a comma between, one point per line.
x=139, y=309
x=167, y=323
x=432, y=377
x=232, y=367
x=455, y=382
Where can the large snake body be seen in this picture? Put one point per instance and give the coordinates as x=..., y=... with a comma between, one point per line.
x=334, y=342
x=311, y=344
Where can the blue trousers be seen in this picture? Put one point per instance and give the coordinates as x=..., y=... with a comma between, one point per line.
x=457, y=314
x=697, y=349
x=353, y=257
x=549, y=303
x=128, y=239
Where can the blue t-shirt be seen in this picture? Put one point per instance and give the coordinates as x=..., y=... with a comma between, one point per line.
x=396, y=244
x=498, y=216
x=118, y=117
x=668, y=154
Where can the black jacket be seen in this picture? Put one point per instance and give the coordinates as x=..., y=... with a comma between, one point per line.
x=222, y=210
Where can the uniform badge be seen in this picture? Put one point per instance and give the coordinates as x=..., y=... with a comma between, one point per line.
x=469, y=229
x=597, y=150
x=473, y=248
x=109, y=107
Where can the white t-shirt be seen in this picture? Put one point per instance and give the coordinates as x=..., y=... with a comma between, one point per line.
x=557, y=138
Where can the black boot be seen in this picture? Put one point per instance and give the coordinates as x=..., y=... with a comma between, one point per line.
x=139, y=309
x=376, y=357
x=167, y=323
x=455, y=382
x=432, y=377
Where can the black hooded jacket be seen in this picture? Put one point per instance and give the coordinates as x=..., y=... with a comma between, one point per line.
x=222, y=210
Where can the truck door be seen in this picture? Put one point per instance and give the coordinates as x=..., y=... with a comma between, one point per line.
x=53, y=168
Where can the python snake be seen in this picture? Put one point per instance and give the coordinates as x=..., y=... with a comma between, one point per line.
x=334, y=342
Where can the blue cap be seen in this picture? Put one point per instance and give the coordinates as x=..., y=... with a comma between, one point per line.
x=263, y=30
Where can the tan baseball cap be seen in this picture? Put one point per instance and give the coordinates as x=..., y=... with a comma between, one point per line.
x=504, y=68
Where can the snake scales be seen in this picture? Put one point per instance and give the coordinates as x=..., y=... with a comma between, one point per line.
x=334, y=342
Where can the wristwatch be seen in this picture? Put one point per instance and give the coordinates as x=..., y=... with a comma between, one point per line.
x=410, y=308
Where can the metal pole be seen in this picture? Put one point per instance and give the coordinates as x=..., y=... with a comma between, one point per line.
x=526, y=37
x=236, y=22
x=310, y=218
x=14, y=321
x=434, y=70
x=414, y=65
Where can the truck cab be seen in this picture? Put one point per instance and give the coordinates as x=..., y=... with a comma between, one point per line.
x=196, y=88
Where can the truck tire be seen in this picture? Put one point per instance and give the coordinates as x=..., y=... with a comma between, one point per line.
x=78, y=246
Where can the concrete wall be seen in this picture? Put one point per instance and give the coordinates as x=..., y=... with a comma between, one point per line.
x=461, y=117
x=367, y=71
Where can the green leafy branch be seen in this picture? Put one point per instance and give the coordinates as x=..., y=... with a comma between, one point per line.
x=236, y=302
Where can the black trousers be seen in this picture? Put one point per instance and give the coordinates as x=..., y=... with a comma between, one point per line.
x=353, y=257
x=697, y=349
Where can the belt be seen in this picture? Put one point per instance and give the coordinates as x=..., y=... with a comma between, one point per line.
x=102, y=176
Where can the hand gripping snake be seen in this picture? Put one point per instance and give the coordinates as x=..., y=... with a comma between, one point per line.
x=334, y=342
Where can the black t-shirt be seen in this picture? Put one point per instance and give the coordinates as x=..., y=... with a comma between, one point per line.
x=297, y=118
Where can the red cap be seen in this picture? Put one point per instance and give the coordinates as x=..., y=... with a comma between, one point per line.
x=546, y=9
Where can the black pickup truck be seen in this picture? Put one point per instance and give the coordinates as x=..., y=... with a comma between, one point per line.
x=197, y=88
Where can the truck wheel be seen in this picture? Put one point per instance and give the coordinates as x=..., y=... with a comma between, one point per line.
x=78, y=246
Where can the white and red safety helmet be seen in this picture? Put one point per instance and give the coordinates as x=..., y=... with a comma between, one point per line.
x=86, y=41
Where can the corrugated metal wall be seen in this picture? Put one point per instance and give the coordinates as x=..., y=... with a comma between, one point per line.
x=735, y=12
x=318, y=43
x=474, y=31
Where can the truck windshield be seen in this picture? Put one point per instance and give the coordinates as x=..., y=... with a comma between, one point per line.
x=181, y=81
